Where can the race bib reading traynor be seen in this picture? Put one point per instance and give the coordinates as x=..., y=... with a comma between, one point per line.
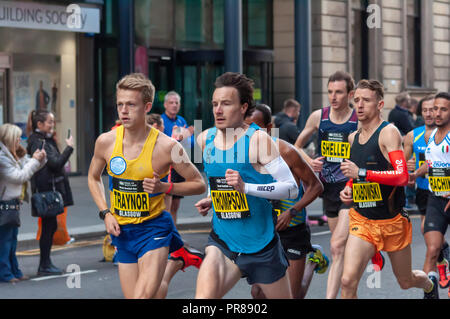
x=227, y=202
x=439, y=179
x=335, y=147
x=367, y=195
x=129, y=198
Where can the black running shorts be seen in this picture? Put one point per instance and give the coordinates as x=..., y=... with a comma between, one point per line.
x=436, y=219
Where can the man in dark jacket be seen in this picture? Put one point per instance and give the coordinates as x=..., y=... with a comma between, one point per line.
x=400, y=115
x=286, y=121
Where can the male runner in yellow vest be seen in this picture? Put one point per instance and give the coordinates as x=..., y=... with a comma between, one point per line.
x=137, y=157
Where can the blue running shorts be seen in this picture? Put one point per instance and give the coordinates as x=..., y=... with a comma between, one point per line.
x=135, y=240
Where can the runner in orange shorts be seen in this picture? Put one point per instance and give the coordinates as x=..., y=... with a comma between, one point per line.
x=377, y=173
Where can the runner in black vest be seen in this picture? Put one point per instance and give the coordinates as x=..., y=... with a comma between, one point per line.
x=377, y=173
x=333, y=124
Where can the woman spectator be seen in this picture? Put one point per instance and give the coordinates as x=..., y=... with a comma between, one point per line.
x=52, y=175
x=16, y=169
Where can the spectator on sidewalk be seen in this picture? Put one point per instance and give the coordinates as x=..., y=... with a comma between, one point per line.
x=175, y=126
x=286, y=121
x=16, y=169
x=400, y=115
x=43, y=124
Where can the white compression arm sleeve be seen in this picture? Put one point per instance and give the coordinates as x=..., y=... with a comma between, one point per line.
x=285, y=186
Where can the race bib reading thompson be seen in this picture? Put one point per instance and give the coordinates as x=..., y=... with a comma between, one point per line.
x=439, y=179
x=335, y=147
x=367, y=195
x=228, y=203
x=129, y=198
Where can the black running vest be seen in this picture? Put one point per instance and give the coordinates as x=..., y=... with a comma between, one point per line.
x=373, y=200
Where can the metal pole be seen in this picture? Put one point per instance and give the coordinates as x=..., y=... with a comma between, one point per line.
x=126, y=37
x=233, y=36
x=303, y=62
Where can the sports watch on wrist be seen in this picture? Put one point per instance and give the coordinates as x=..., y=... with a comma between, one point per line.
x=293, y=212
x=103, y=213
x=362, y=173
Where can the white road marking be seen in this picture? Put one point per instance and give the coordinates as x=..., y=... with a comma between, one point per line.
x=64, y=275
x=321, y=233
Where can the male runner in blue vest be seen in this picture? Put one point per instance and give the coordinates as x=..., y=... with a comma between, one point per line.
x=241, y=162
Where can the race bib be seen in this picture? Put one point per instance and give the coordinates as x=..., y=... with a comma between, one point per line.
x=367, y=195
x=335, y=147
x=227, y=202
x=439, y=179
x=421, y=159
x=129, y=198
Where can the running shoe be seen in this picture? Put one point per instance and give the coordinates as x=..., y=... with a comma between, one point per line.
x=434, y=293
x=378, y=260
x=319, y=258
x=189, y=256
x=444, y=280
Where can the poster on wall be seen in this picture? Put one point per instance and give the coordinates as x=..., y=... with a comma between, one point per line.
x=32, y=91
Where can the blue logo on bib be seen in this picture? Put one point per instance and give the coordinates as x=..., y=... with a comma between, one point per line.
x=117, y=165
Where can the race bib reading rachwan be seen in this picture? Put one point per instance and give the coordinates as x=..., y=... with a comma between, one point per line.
x=367, y=195
x=439, y=179
x=228, y=203
x=129, y=198
x=335, y=147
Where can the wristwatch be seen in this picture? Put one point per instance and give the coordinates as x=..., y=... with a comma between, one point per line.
x=293, y=212
x=362, y=173
x=103, y=213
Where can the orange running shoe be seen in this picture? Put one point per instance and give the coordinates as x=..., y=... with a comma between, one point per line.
x=442, y=270
x=378, y=261
x=189, y=257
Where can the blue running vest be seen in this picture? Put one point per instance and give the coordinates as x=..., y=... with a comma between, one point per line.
x=244, y=222
x=419, y=147
x=333, y=144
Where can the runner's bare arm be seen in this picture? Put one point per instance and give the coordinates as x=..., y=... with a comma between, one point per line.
x=408, y=145
x=98, y=164
x=304, y=173
x=311, y=126
x=95, y=182
x=268, y=157
x=194, y=183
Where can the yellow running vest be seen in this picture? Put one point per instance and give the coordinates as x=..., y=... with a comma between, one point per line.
x=130, y=204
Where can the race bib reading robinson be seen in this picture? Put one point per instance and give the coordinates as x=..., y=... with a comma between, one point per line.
x=335, y=147
x=439, y=179
x=367, y=195
x=228, y=203
x=129, y=198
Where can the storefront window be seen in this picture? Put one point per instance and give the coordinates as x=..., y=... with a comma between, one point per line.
x=257, y=23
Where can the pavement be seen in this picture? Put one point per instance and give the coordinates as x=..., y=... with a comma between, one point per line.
x=83, y=221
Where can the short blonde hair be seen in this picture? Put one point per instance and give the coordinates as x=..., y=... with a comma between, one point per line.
x=139, y=82
x=9, y=133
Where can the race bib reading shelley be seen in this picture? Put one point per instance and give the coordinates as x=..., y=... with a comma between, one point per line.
x=129, y=198
x=335, y=147
x=227, y=202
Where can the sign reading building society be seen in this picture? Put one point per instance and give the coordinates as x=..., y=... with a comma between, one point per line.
x=31, y=15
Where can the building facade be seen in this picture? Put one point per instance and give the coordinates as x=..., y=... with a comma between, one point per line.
x=405, y=44
x=46, y=52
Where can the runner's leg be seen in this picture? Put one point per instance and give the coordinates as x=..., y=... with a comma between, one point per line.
x=337, y=246
x=357, y=254
x=151, y=271
x=128, y=275
x=172, y=267
x=217, y=275
x=277, y=290
x=434, y=241
x=401, y=266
